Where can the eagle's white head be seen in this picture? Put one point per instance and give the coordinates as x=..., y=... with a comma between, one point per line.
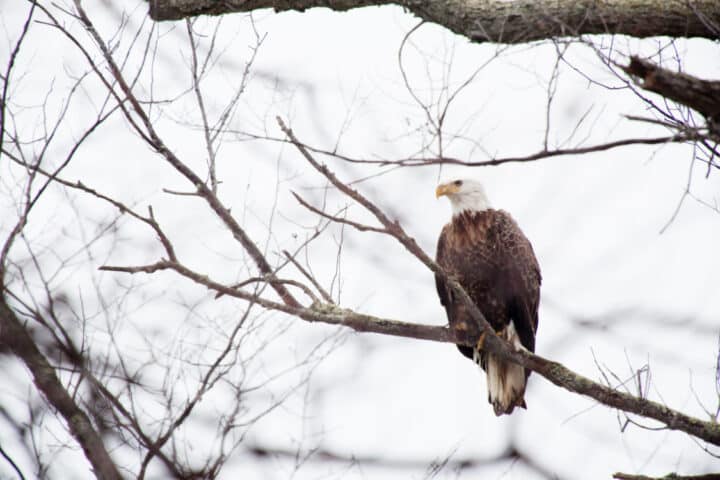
x=464, y=195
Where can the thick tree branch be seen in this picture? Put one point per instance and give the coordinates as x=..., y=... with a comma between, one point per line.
x=19, y=340
x=696, y=93
x=500, y=21
x=670, y=476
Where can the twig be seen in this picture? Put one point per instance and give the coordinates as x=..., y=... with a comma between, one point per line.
x=326, y=296
x=180, y=194
x=285, y=281
x=12, y=463
x=357, y=226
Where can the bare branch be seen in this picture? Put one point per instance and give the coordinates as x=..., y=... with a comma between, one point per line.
x=511, y=454
x=685, y=136
x=325, y=295
x=670, y=476
x=356, y=225
x=8, y=72
x=285, y=281
x=152, y=268
x=698, y=94
x=47, y=382
x=12, y=463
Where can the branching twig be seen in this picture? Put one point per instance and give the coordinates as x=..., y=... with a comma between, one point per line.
x=325, y=295
x=285, y=281
x=356, y=225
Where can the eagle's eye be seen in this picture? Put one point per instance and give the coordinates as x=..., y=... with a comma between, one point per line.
x=458, y=183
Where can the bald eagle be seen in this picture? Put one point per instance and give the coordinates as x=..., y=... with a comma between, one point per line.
x=487, y=253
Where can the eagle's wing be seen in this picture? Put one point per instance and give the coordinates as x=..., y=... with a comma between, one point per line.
x=444, y=292
x=440, y=285
x=519, y=286
x=523, y=279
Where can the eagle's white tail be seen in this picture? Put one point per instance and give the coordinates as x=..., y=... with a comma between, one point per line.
x=506, y=381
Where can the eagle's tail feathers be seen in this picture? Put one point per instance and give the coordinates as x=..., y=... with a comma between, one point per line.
x=505, y=381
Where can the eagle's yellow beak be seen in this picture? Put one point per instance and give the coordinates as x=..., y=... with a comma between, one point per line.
x=446, y=189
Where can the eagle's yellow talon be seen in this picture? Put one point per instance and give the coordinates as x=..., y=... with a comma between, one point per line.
x=481, y=341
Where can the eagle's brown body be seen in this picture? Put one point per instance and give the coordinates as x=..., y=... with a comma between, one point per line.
x=494, y=262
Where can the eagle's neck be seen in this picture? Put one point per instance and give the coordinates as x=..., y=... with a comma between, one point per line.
x=469, y=202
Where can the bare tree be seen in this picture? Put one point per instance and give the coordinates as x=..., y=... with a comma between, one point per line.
x=139, y=344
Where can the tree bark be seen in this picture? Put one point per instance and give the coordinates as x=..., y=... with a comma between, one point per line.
x=20, y=342
x=500, y=21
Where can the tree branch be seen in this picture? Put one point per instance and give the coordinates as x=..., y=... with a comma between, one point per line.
x=356, y=225
x=510, y=454
x=48, y=383
x=326, y=296
x=696, y=93
x=499, y=21
x=669, y=476
x=685, y=136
